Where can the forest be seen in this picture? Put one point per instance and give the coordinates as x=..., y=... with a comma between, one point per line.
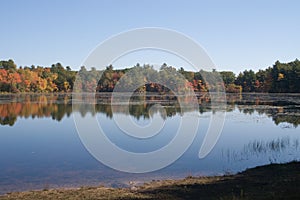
x=279, y=78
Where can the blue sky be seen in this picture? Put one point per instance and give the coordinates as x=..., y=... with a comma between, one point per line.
x=237, y=35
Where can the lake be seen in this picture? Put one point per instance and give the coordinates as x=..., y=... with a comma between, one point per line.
x=40, y=147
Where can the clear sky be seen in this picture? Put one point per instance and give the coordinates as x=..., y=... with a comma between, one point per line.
x=237, y=35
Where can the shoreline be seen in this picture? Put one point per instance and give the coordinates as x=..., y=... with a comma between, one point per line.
x=262, y=182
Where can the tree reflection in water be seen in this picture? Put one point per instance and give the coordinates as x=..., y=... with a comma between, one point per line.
x=281, y=108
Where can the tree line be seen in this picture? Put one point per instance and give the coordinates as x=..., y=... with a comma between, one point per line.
x=281, y=78
x=35, y=78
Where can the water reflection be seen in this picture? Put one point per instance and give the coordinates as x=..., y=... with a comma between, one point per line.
x=51, y=153
x=33, y=106
x=283, y=109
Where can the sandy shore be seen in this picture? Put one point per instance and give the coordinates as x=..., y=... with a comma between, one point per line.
x=275, y=181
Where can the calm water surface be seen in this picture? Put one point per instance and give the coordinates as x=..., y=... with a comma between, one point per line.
x=40, y=148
